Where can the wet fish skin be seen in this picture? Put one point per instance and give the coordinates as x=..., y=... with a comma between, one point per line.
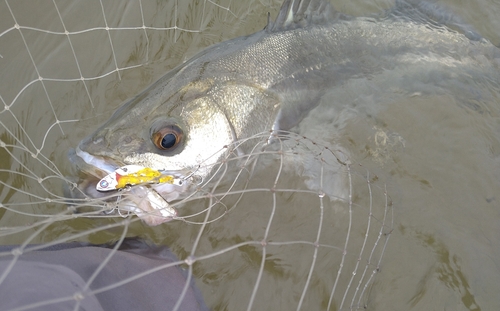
x=270, y=80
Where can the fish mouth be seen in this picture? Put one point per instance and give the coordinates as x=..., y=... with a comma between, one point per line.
x=93, y=165
x=150, y=202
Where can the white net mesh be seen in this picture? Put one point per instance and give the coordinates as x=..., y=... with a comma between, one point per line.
x=261, y=234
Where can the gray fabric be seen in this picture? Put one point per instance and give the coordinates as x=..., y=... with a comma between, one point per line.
x=34, y=282
x=62, y=271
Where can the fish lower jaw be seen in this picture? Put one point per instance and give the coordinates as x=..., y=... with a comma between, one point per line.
x=148, y=205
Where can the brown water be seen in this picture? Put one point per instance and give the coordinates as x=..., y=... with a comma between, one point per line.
x=440, y=160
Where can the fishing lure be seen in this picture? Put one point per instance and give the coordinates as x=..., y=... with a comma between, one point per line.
x=130, y=175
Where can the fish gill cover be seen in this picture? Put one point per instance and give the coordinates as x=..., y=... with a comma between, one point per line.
x=301, y=220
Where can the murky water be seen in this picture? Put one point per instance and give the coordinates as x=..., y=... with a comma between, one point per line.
x=438, y=154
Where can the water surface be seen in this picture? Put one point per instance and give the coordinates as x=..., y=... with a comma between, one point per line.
x=438, y=155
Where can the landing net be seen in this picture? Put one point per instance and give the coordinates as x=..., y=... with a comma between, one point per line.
x=296, y=224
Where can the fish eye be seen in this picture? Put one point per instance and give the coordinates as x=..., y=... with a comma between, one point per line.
x=167, y=137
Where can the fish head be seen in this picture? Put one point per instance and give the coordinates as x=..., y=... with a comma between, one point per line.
x=183, y=132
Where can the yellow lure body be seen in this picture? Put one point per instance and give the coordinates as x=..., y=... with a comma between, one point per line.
x=131, y=175
x=146, y=175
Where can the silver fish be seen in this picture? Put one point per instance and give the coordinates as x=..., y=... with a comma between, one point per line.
x=271, y=80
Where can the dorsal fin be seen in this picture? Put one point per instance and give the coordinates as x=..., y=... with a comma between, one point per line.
x=301, y=13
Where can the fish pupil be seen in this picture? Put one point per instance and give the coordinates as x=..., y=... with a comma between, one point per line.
x=168, y=141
